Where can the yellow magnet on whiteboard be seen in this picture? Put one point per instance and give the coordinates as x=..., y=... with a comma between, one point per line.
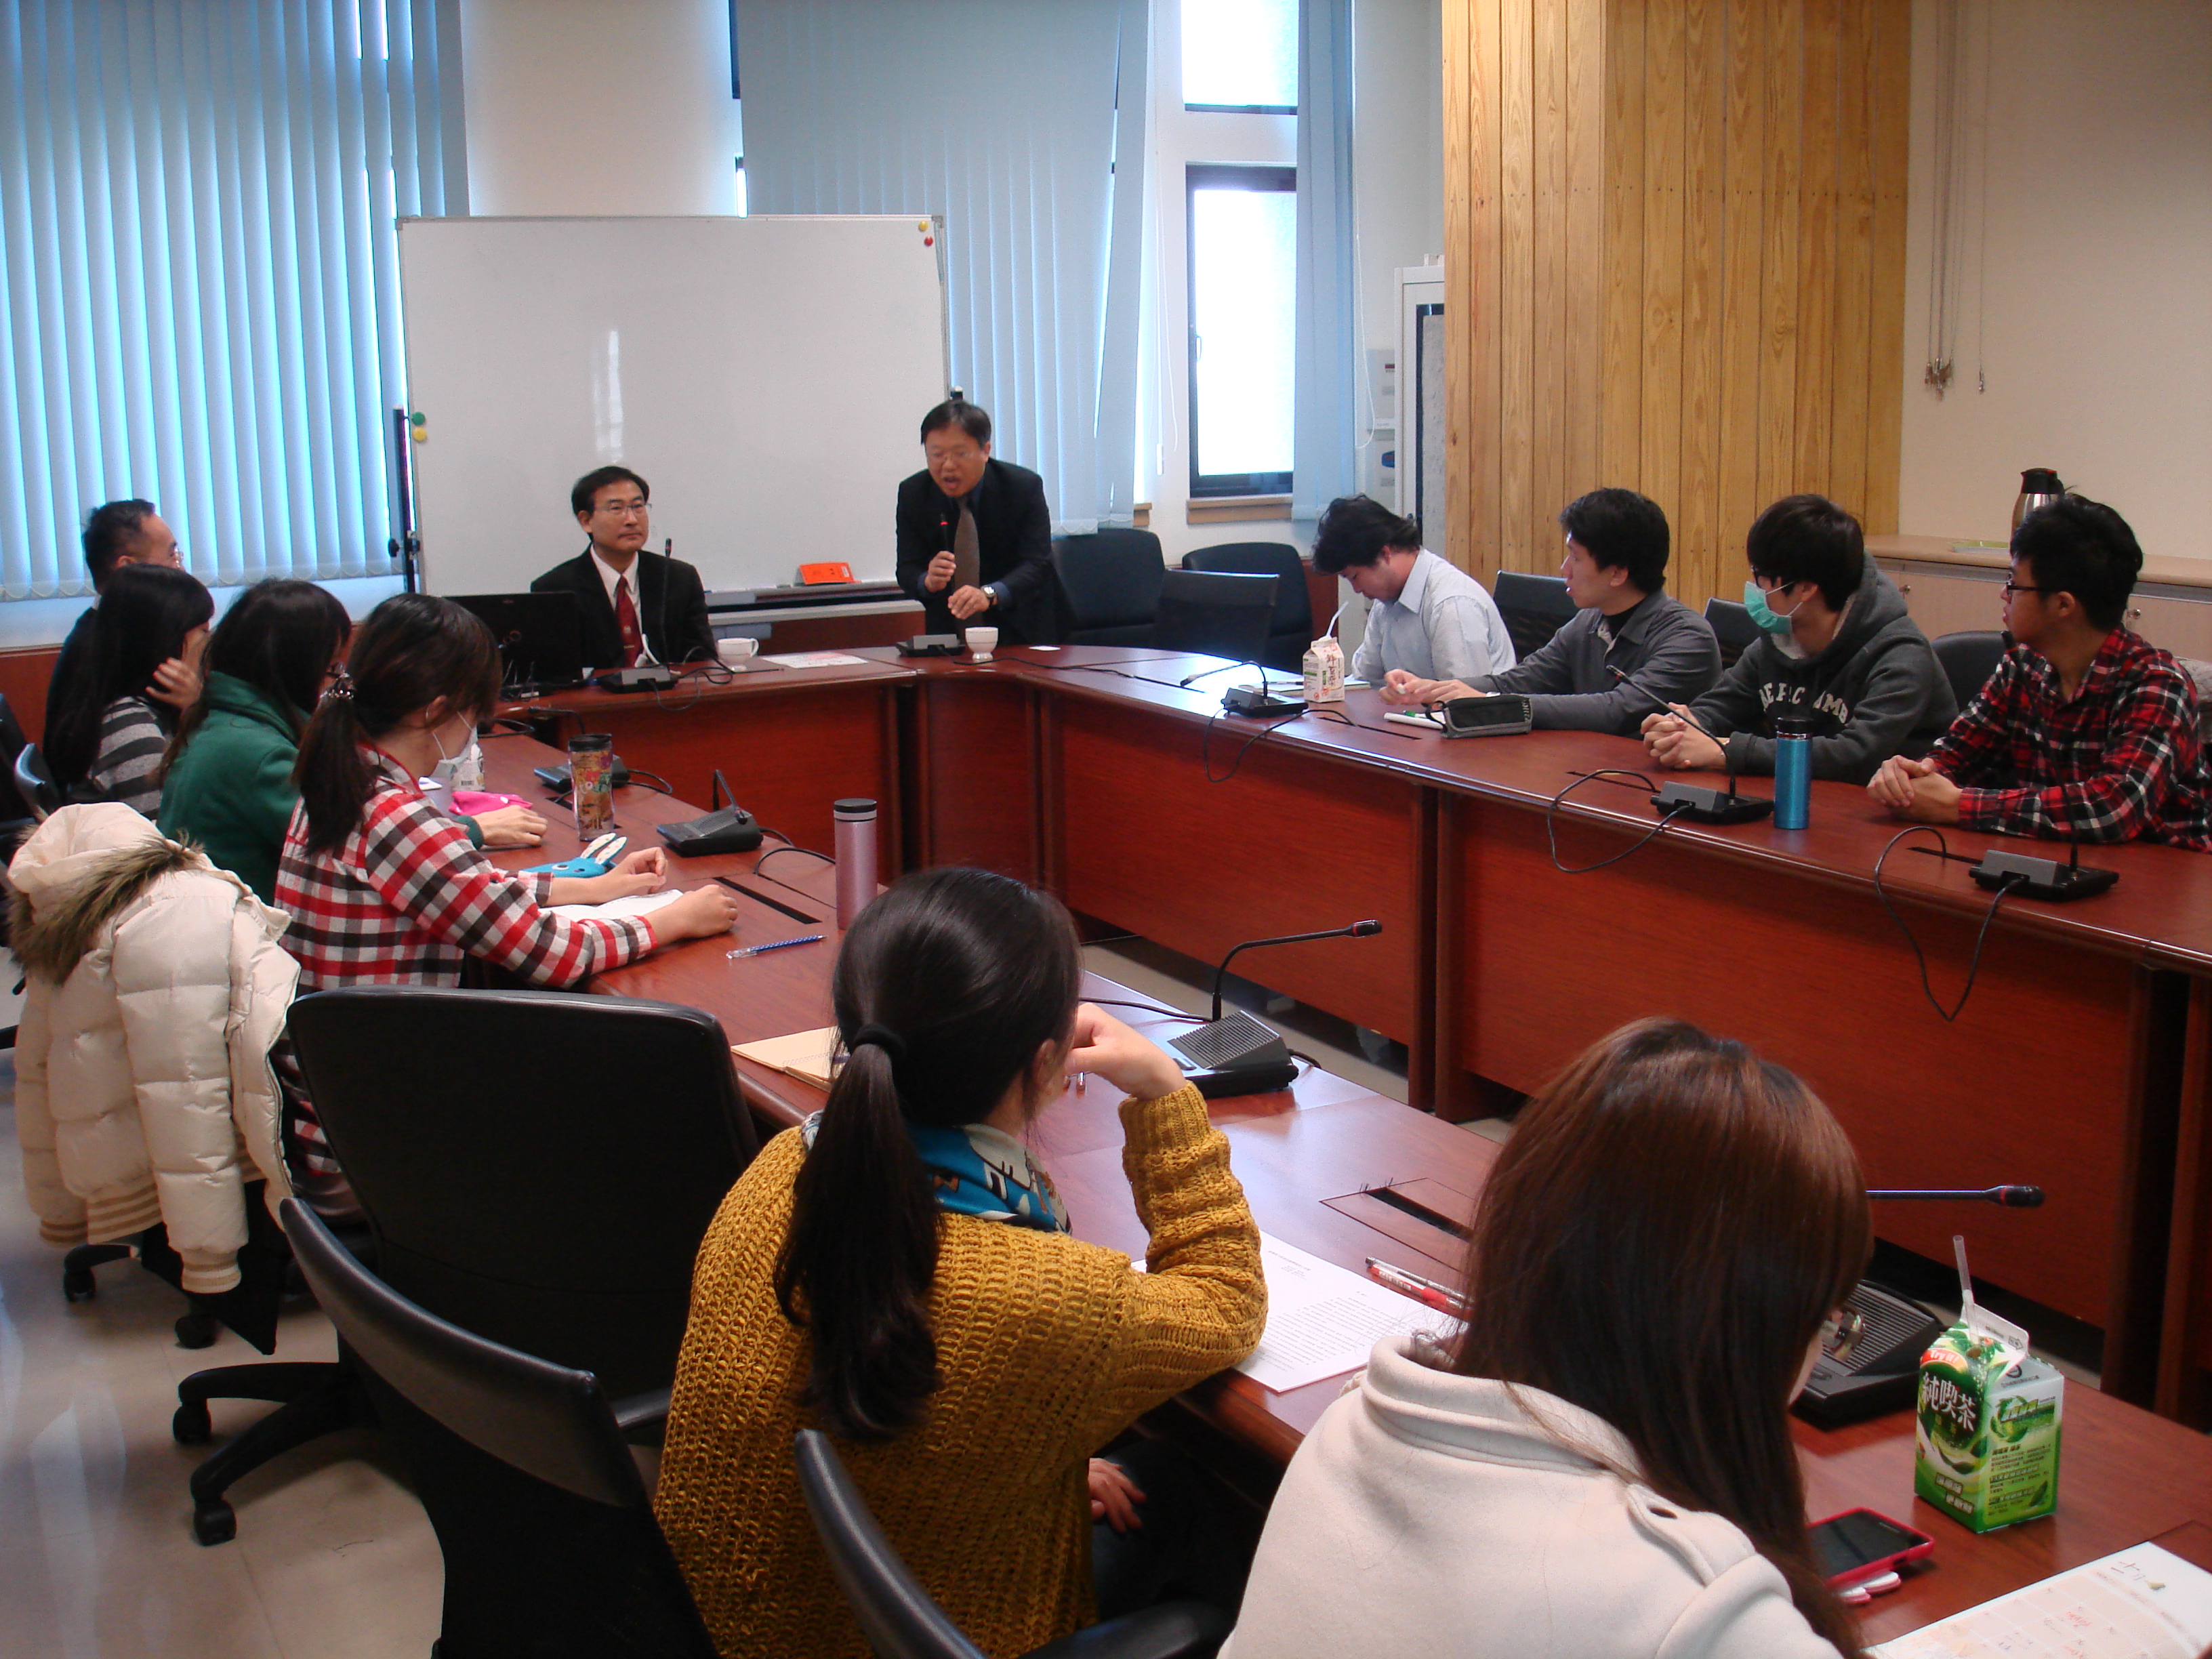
x=418, y=431
x=922, y=224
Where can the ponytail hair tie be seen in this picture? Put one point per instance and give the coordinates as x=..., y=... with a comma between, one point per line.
x=883, y=1037
x=341, y=688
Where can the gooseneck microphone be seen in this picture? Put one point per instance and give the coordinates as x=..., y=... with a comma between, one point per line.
x=2012, y=1198
x=1693, y=801
x=1237, y=1055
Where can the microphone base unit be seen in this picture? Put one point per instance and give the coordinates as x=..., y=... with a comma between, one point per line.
x=730, y=830
x=1880, y=1375
x=930, y=645
x=1702, y=806
x=2042, y=878
x=653, y=677
x=1234, y=1055
x=1257, y=701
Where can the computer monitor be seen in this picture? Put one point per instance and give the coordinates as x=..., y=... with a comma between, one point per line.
x=541, y=639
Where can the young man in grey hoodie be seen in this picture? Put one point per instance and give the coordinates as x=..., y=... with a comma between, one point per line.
x=1835, y=644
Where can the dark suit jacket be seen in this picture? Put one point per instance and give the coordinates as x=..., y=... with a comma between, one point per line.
x=671, y=609
x=1013, y=547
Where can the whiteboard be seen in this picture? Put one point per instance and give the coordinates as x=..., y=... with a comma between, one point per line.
x=766, y=376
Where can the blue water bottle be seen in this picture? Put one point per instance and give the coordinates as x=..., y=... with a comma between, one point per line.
x=1793, y=770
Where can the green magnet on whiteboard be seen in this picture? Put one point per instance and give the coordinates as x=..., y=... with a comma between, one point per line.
x=416, y=419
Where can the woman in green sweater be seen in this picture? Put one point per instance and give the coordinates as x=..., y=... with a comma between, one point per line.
x=226, y=780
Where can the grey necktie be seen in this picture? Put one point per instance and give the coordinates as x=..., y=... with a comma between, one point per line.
x=967, y=566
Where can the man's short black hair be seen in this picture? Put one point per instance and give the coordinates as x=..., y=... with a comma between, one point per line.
x=584, y=494
x=1622, y=531
x=2081, y=547
x=1356, y=531
x=1808, y=538
x=957, y=412
x=107, y=529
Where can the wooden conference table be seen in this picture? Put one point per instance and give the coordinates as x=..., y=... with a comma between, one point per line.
x=1091, y=771
x=2127, y=1475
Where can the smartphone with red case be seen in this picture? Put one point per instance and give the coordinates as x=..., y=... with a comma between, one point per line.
x=1861, y=1544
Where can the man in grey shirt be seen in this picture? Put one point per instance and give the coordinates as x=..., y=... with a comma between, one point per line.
x=1615, y=566
x=1426, y=619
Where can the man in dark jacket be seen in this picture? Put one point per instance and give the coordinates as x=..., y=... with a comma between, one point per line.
x=975, y=536
x=1615, y=570
x=1835, y=644
x=637, y=606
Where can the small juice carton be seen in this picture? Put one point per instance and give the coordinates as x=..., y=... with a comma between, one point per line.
x=1324, y=671
x=1986, y=1440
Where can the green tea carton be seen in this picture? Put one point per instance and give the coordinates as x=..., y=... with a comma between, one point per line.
x=1986, y=1443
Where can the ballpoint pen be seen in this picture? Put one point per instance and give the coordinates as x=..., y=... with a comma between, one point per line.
x=1427, y=1292
x=774, y=945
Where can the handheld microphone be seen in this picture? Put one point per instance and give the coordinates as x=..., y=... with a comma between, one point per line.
x=2012, y=1198
x=1693, y=801
x=1238, y=1055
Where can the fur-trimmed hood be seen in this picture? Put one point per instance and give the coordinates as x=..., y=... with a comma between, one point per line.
x=78, y=871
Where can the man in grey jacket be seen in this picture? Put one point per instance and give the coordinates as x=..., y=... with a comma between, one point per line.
x=1836, y=644
x=1615, y=568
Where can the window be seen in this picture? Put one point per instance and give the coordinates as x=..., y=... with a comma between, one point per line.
x=1243, y=282
x=1241, y=55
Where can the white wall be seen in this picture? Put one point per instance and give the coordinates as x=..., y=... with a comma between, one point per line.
x=599, y=106
x=2095, y=336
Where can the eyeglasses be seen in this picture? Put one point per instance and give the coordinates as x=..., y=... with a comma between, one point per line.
x=1841, y=1331
x=2011, y=588
x=623, y=509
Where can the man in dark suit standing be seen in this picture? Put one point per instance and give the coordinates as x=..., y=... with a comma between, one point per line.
x=637, y=607
x=975, y=536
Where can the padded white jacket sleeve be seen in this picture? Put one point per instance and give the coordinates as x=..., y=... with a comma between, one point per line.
x=60, y=1211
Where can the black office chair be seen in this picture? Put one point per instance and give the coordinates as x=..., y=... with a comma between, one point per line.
x=1290, y=629
x=560, y=1556
x=1733, y=627
x=1111, y=581
x=1535, y=608
x=1969, y=658
x=16, y=812
x=1215, y=612
x=902, y=1621
x=35, y=783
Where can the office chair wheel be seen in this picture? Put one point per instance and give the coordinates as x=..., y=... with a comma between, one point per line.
x=197, y=1331
x=190, y=1427
x=214, y=1521
x=78, y=1285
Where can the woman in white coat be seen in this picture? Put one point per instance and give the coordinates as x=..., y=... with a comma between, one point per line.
x=1599, y=1465
x=154, y=988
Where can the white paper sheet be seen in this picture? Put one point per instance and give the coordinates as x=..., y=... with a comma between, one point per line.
x=637, y=904
x=1323, y=1319
x=2141, y=1603
x=814, y=659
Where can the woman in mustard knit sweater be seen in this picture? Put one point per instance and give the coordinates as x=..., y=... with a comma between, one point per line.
x=899, y=1273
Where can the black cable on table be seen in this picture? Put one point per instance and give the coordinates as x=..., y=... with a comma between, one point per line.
x=1607, y=774
x=2005, y=885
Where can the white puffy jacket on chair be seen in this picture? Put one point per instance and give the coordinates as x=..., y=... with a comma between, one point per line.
x=156, y=987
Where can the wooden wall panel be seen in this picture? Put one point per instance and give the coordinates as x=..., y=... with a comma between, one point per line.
x=1676, y=247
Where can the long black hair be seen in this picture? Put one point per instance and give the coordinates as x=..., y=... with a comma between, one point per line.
x=947, y=989
x=140, y=623
x=280, y=636
x=414, y=649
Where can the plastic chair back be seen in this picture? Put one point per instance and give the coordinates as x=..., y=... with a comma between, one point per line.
x=1733, y=627
x=1216, y=612
x=1291, y=628
x=1968, y=659
x=1535, y=608
x=549, y=1542
x=537, y=1167
x=1111, y=580
x=35, y=783
x=13, y=805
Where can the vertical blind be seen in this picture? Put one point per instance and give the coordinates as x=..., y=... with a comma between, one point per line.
x=1325, y=463
x=197, y=245
x=1023, y=125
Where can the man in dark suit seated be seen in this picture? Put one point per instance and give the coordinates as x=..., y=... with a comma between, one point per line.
x=975, y=536
x=637, y=607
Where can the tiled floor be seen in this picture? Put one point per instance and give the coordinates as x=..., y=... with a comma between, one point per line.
x=333, y=1557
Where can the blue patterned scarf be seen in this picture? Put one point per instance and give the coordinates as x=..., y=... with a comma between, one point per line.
x=976, y=1170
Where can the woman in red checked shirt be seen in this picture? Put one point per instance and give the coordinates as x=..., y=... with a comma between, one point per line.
x=384, y=889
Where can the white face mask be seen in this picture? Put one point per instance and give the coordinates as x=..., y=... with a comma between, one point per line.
x=458, y=771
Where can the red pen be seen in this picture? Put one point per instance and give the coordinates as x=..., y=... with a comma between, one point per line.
x=1427, y=1292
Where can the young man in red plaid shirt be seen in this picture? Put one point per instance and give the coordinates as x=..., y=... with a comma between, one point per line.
x=2084, y=732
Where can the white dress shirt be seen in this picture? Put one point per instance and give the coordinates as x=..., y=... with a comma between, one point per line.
x=1443, y=625
x=618, y=579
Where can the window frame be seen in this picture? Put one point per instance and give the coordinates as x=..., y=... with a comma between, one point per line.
x=1214, y=175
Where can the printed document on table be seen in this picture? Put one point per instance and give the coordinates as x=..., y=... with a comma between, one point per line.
x=814, y=659
x=1323, y=1319
x=2142, y=1603
x=637, y=904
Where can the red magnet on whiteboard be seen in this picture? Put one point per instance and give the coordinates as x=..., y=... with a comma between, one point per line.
x=929, y=241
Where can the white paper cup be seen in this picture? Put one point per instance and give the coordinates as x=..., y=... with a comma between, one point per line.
x=982, y=642
x=734, y=651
